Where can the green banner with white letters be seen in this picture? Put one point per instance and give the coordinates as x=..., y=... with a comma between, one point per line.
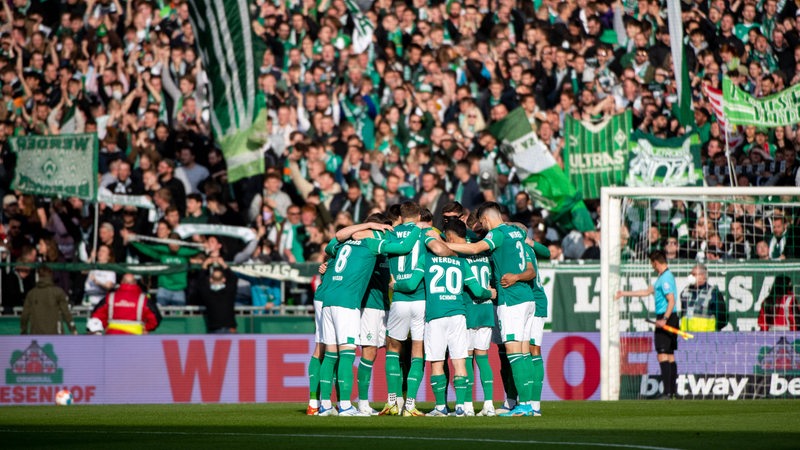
x=56, y=166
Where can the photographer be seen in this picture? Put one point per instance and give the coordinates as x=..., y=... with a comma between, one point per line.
x=217, y=292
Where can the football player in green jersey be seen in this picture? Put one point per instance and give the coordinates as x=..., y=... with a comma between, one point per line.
x=351, y=271
x=445, y=322
x=406, y=315
x=480, y=321
x=510, y=265
x=372, y=336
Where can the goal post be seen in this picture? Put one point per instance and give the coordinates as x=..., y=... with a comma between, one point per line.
x=624, y=250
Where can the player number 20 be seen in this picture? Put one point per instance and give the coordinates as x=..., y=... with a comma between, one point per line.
x=452, y=280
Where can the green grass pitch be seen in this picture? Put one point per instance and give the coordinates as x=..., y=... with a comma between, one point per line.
x=770, y=424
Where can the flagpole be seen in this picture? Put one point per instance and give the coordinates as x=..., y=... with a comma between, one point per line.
x=96, y=220
x=733, y=180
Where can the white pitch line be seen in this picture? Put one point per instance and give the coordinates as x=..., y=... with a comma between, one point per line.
x=327, y=436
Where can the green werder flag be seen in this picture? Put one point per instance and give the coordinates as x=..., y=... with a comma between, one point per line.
x=232, y=56
x=776, y=110
x=56, y=166
x=664, y=162
x=594, y=154
x=541, y=176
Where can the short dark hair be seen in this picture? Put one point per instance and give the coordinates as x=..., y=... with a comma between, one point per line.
x=425, y=215
x=378, y=218
x=658, y=256
x=457, y=227
x=393, y=212
x=487, y=206
x=454, y=207
x=409, y=210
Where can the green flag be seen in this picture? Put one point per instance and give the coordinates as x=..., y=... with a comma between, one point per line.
x=541, y=176
x=777, y=110
x=594, y=154
x=232, y=56
x=683, y=108
x=57, y=166
x=664, y=162
x=363, y=29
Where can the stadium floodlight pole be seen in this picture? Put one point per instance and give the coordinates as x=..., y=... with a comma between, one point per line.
x=610, y=260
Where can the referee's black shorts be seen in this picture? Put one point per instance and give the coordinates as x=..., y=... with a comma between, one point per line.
x=665, y=341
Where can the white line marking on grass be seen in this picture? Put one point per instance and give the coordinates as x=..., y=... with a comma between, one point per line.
x=349, y=436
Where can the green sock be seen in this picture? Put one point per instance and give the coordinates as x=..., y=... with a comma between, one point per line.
x=529, y=375
x=313, y=377
x=520, y=374
x=438, y=385
x=326, y=374
x=345, y=372
x=470, y=379
x=460, y=384
x=415, y=374
x=538, y=378
x=487, y=378
x=364, y=378
x=394, y=377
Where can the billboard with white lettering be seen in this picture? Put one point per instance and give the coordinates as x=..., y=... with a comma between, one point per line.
x=229, y=369
x=729, y=366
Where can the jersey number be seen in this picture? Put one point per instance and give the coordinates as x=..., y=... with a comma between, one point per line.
x=341, y=259
x=452, y=280
x=521, y=250
x=401, y=261
x=483, y=276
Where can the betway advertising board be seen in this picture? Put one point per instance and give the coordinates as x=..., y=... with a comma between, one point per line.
x=722, y=366
x=230, y=369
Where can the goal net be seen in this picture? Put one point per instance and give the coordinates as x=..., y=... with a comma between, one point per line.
x=735, y=255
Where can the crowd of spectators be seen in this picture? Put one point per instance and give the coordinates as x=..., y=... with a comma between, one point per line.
x=351, y=134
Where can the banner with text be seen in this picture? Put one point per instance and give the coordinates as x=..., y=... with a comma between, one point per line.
x=664, y=162
x=721, y=366
x=776, y=110
x=231, y=369
x=594, y=154
x=56, y=166
x=576, y=293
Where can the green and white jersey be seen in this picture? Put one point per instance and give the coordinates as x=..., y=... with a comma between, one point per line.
x=291, y=239
x=445, y=278
x=402, y=266
x=539, y=296
x=507, y=247
x=480, y=313
x=351, y=271
x=330, y=250
x=377, y=296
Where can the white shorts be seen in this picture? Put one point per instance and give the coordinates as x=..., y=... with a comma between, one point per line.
x=513, y=321
x=317, y=321
x=446, y=333
x=536, y=330
x=480, y=338
x=340, y=325
x=373, y=327
x=405, y=317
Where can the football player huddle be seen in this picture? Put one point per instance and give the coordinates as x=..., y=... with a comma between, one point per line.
x=453, y=292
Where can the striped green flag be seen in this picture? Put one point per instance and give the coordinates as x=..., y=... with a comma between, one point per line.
x=541, y=176
x=664, y=162
x=594, y=154
x=232, y=57
x=362, y=30
x=64, y=165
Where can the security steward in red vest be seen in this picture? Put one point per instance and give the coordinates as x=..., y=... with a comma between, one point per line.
x=127, y=310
